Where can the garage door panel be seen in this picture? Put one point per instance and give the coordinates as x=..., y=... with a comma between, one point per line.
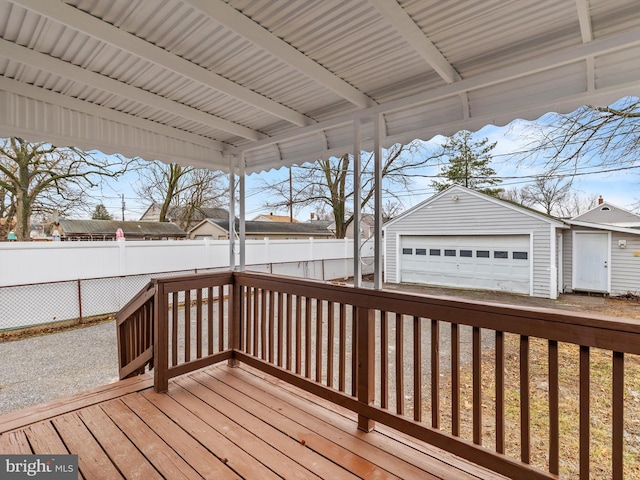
x=479, y=262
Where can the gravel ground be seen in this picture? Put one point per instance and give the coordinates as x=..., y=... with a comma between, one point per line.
x=43, y=368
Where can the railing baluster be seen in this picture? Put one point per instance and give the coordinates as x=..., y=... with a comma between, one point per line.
x=354, y=351
x=342, y=357
x=499, y=391
x=318, y=340
x=554, y=409
x=330, y=340
x=174, y=329
x=187, y=325
x=455, y=379
x=399, y=364
x=272, y=325
x=417, y=369
x=256, y=321
x=289, y=309
x=384, y=359
x=617, y=427
x=210, y=303
x=264, y=323
x=220, y=316
x=477, y=386
x=199, y=323
x=280, y=327
x=308, y=304
x=298, y=334
x=584, y=412
x=435, y=374
x=248, y=323
x=525, y=401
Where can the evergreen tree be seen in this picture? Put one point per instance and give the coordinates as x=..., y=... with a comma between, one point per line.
x=468, y=164
x=101, y=213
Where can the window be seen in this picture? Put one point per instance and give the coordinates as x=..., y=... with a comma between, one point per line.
x=482, y=253
x=434, y=252
x=500, y=254
x=407, y=251
x=421, y=251
x=466, y=253
x=449, y=253
x=520, y=255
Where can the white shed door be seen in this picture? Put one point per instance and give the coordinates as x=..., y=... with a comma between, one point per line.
x=591, y=261
x=489, y=262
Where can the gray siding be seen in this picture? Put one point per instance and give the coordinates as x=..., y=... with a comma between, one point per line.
x=625, y=267
x=473, y=215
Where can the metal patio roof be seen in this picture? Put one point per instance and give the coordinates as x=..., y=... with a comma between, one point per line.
x=281, y=82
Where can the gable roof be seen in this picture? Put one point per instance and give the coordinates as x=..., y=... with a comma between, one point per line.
x=457, y=189
x=273, y=83
x=107, y=228
x=257, y=227
x=274, y=218
x=609, y=214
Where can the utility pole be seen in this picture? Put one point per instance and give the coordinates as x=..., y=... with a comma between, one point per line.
x=123, y=207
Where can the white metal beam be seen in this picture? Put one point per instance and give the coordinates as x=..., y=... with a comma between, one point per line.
x=494, y=77
x=377, y=223
x=66, y=70
x=415, y=37
x=584, y=17
x=357, y=199
x=242, y=25
x=94, y=27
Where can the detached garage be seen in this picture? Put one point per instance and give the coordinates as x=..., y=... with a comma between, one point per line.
x=463, y=238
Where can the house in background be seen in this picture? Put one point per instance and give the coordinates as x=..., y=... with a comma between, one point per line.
x=274, y=218
x=256, y=230
x=176, y=214
x=464, y=238
x=106, y=230
x=367, y=222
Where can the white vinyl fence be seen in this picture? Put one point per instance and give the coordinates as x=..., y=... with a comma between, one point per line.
x=42, y=283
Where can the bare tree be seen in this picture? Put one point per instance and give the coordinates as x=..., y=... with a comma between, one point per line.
x=592, y=135
x=328, y=184
x=181, y=191
x=547, y=193
x=42, y=178
x=515, y=195
x=575, y=204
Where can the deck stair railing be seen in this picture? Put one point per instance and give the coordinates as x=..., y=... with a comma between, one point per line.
x=496, y=385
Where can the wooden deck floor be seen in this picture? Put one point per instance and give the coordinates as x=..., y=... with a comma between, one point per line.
x=220, y=423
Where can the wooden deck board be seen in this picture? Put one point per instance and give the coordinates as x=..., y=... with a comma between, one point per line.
x=222, y=422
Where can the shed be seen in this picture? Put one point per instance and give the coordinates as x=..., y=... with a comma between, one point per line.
x=464, y=238
x=106, y=230
x=256, y=230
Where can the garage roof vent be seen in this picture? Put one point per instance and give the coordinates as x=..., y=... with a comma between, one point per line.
x=605, y=209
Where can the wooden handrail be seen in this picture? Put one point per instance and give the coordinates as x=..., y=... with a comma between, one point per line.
x=305, y=331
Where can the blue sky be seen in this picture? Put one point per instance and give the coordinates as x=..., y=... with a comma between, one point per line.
x=619, y=188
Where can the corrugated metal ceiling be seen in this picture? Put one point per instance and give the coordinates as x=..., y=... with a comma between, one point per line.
x=279, y=82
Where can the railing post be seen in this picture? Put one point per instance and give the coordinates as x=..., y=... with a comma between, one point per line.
x=366, y=358
x=161, y=340
x=235, y=316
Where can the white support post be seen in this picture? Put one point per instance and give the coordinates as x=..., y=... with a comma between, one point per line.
x=232, y=213
x=242, y=214
x=357, y=195
x=377, y=230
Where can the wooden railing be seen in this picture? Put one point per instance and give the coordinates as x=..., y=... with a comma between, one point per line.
x=508, y=388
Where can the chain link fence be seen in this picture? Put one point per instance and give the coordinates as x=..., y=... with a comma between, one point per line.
x=24, y=306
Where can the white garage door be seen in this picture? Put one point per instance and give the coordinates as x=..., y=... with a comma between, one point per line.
x=490, y=262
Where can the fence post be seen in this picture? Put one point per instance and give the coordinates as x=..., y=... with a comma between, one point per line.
x=79, y=302
x=365, y=318
x=235, y=316
x=161, y=339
